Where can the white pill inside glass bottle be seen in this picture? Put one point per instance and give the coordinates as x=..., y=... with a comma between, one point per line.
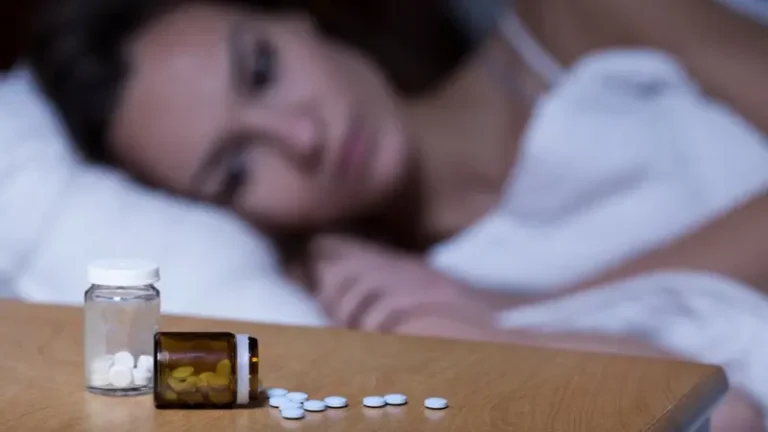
x=122, y=314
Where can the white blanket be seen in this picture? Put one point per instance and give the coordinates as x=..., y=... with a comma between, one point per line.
x=624, y=156
x=58, y=213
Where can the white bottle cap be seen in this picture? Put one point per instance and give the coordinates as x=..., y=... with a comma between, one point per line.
x=123, y=272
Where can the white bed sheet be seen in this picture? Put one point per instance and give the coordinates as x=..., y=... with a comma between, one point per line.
x=57, y=213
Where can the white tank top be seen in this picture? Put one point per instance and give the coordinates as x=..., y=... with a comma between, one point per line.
x=755, y=9
x=544, y=63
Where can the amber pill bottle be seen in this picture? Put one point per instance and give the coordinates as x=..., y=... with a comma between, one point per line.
x=205, y=370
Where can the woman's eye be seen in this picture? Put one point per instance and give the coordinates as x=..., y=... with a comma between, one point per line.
x=263, y=65
x=234, y=178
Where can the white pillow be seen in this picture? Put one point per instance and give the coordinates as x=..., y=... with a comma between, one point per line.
x=59, y=213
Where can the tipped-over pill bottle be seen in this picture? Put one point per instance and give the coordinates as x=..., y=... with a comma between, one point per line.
x=205, y=370
x=122, y=315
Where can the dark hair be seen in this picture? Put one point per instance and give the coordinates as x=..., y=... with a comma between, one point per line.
x=77, y=49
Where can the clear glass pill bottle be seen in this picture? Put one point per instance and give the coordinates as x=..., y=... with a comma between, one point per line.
x=205, y=370
x=122, y=315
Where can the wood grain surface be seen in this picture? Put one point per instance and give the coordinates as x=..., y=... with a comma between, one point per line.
x=490, y=387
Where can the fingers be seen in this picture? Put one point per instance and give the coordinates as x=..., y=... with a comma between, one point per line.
x=438, y=326
x=367, y=287
x=738, y=412
x=385, y=315
x=391, y=311
x=333, y=280
x=374, y=308
x=348, y=276
x=335, y=246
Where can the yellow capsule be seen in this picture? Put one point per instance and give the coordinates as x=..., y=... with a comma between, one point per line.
x=191, y=397
x=169, y=395
x=181, y=385
x=218, y=381
x=224, y=367
x=204, y=379
x=182, y=372
x=220, y=397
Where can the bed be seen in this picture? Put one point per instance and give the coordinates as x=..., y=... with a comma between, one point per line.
x=59, y=213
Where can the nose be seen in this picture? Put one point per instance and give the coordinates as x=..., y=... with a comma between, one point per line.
x=296, y=133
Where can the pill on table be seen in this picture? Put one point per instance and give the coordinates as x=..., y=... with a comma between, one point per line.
x=146, y=363
x=276, y=391
x=141, y=376
x=396, y=399
x=120, y=376
x=314, y=405
x=335, y=402
x=297, y=396
x=290, y=405
x=124, y=359
x=276, y=401
x=374, y=401
x=435, y=403
x=292, y=414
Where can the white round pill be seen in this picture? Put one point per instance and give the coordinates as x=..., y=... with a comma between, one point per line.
x=292, y=414
x=297, y=396
x=276, y=401
x=120, y=376
x=99, y=380
x=276, y=391
x=124, y=359
x=335, y=402
x=396, y=399
x=141, y=377
x=436, y=403
x=374, y=401
x=290, y=405
x=314, y=405
x=145, y=363
x=101, y=365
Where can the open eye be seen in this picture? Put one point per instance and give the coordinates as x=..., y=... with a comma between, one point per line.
x=235, y=175
x=262, y=65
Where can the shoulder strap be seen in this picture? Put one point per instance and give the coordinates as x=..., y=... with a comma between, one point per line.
x=528, y=47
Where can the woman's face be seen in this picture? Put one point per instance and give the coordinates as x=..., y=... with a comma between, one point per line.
x=261, y=112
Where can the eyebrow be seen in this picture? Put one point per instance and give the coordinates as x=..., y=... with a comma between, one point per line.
x=224, y=147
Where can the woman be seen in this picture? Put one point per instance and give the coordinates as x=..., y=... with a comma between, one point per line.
x=300, y=133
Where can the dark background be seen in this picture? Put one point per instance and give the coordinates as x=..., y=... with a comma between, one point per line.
x=417, y=41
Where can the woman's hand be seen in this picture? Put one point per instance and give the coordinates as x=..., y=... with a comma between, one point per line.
x=366, y=286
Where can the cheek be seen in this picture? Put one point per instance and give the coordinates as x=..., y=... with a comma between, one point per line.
x=283, y=196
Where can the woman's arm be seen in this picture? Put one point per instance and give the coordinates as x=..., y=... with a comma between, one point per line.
x=724, y=51
x=735, y=245
x=364, y=286
x=728, y=55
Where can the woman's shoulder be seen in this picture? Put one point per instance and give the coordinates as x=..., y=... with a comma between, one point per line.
x=755, y=9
